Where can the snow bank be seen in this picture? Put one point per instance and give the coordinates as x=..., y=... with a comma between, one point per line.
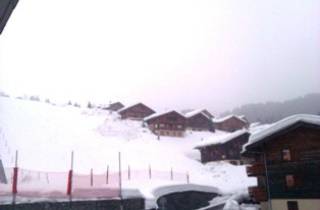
x=222, y=139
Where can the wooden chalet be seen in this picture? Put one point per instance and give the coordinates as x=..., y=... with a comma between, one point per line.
x=286, y=161
x=230, y=123
x=227, y=148
x=115, y=106
x=136, y=112
x=199, y=120
x=170, y=123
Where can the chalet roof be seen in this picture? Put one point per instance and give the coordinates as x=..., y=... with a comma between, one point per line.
x=6, y=8
x=114, y=103
x=279, y=126
x=156, y=115
x=220, y=120
x=197, y=111
x=222, y=139
x=132, y=105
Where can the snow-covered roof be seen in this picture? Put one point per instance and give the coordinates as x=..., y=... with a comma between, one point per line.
x=222, y=139
x=155, y=115
x=195, y=112
x=242, y=116
x=165, y=190
x=227, y=118
x=130, y=106
x=116, y=103
x=281, y=125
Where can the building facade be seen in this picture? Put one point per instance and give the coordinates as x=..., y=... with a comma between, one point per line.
x=199, y=120
x=115, y=106
x=228, y=148
x=169, y=123
x=136, y=112
x=230, y=123
x=286, y=162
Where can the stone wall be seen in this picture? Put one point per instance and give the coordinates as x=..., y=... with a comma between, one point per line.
x=128, y=204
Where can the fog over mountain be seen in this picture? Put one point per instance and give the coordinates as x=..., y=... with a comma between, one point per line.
x=181, y=54
x=273, y=111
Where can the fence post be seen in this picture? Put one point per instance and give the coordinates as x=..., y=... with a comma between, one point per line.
x=188, y=178
x=15, y=180
x=171, y=174
x=70, y=176
x=107, y=175
x=91, y=177
x=120, y=182
x=129, y=173
x=150, y=173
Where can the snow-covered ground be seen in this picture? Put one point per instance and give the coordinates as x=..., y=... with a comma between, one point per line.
x=45, y=135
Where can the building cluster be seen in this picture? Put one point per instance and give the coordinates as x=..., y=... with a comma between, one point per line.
x=284, y=156
x=285, y=159
x=175, y=123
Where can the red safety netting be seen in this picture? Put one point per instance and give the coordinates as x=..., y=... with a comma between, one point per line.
x=96, y=186
x=38, y=184
x=63, y=185
x=155, y=175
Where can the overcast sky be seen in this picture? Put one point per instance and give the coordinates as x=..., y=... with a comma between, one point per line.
x=168, y=54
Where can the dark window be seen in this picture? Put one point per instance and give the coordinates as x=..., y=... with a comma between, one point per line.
x=286, y=154
x=292, y=205
x=290, y=181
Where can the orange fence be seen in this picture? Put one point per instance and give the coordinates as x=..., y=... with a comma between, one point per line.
x=38, y=184
x=30, y=184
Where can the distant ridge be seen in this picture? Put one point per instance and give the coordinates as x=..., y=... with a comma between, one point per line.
x=270, y=112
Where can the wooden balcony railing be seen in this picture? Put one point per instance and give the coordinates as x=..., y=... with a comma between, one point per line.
x=256, y=169
x=258, y=193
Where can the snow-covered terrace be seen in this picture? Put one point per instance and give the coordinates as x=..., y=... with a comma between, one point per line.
x=222, y=139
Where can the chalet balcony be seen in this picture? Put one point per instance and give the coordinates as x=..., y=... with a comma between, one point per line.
x=256, y=169
x=258, y=193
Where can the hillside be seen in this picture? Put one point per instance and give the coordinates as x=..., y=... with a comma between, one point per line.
x=270, y=112
x=45, y=135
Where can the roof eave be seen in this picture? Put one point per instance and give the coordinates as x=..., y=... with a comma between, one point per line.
x=251, y=147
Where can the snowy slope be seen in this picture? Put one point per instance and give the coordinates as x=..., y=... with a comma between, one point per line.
x=45, y=135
